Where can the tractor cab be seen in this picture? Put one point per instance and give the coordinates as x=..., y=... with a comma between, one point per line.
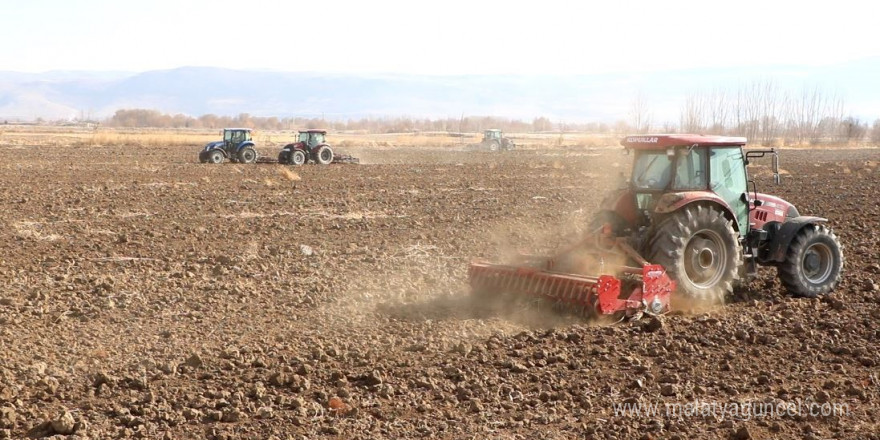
x=492, y=134
x=233, y=137
x=312, y=138
x=674, y=170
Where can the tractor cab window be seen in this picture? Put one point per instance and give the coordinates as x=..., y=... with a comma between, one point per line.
x=227, y=135
x=315, y=139
x=690, y=169
x=652, y=170
x=727, y=173
x=304, y=137
x=236, y=136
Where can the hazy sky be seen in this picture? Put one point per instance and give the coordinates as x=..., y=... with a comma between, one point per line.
x=442, y=37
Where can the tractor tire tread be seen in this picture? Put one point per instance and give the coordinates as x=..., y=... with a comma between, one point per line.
x=789, y=272
x=671, y=236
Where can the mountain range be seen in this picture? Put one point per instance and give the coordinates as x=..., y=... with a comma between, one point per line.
x=603, y=97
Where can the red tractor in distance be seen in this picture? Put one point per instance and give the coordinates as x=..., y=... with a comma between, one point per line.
x=310, y=145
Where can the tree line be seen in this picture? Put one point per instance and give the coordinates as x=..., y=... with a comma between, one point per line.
x=762, y=111
x=143, y=118
x=765, y=113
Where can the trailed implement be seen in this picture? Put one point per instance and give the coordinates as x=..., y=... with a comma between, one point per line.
x=614, y=289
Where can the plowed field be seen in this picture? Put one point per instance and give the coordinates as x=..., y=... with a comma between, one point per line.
x=145, y=295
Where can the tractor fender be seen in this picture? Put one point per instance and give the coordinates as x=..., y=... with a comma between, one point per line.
x=244, y=145
x=781, y=235
x=671, y=202
x=219, y=148
x=213, y=146
x=295, y=146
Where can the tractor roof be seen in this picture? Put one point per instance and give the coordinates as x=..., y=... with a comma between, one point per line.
x=664, y=141
x=237, y=129
x=493, y=129
x=313, y=130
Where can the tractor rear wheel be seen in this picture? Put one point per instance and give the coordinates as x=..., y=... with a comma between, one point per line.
x=297, y=157
x=813, y=263
x=247, y=155
x=700, y=250
x=493, y=146
x=324, y=155
x=215, y=156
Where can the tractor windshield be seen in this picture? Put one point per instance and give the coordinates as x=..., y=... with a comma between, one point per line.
x=236, y=136
x=690, y=169
x=651, y=170
x=304, y=137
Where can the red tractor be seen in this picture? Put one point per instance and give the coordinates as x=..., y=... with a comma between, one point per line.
x=689, y=220
x=311, y=145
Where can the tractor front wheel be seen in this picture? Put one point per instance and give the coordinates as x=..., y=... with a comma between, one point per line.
x=813, y=263
x=324, y=155
x=215, y=156
x=297, y=157
x=700, y=250
x=247, y=155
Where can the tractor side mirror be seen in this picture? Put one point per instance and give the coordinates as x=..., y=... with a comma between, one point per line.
x=775, y=162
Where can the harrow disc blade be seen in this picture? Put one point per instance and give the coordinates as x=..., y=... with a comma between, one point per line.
x=579, y=293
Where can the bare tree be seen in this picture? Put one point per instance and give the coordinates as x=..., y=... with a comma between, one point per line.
x=639, y=114
x=719, y=111
x=693, y=114
x=852, y=130
x=771, y=103
x=875, y=132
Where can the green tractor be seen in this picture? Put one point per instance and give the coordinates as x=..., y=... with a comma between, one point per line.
x=494, y=140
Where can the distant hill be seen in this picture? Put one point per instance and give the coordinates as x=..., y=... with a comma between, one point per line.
x=607, y=97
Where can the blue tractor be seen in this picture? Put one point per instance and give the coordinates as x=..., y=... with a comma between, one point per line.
x=237, y=146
